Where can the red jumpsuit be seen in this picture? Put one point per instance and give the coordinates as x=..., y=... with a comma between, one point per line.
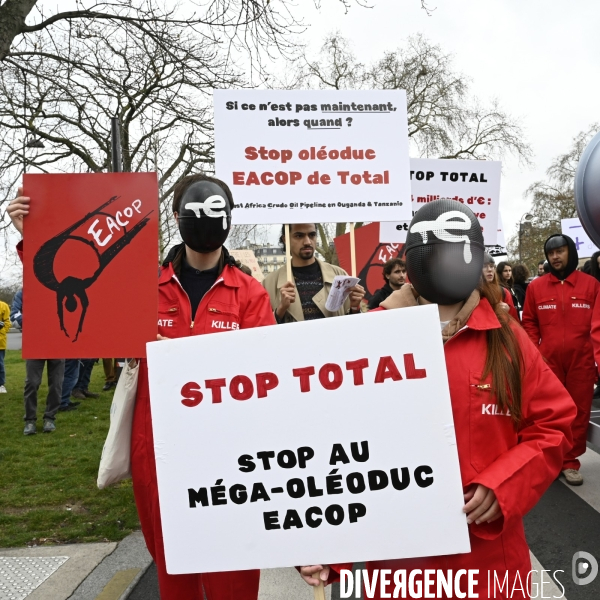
x=563, y=319
x=236, y=301
x=517, y=465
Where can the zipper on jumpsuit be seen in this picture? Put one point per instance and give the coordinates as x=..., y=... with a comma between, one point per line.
x=201, y=301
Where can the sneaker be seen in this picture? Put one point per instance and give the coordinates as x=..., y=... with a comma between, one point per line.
x=78, y=394
x=30, y=428
x=3, y=390
x=573, y=476
x=49, y=426
x=89, y=394
x=67, y=407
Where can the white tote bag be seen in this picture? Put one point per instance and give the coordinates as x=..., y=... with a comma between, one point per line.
x=115, y=462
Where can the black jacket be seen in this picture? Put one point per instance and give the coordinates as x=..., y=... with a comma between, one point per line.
x=380, y=295
x=519, y=290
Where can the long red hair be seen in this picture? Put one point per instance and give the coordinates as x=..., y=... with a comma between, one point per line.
x=504, y=360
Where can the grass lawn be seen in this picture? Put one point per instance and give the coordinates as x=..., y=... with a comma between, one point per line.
x=48, y=490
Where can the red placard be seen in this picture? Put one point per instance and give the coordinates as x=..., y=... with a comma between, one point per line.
x=90, y=265
x=370, y=256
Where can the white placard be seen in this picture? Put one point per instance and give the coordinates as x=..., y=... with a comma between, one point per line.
x=313, y=155
x=574, y=229
x=405, y=424
x=475, y=183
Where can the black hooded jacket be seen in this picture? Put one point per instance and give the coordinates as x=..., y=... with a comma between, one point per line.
x=573, y=257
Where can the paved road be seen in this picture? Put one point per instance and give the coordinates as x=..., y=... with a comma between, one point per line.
x=565, y=521
x=14, y=340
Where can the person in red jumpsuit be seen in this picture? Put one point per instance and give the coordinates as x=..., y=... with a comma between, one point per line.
x=562, y=317
x=201, y=290
x=510, y=439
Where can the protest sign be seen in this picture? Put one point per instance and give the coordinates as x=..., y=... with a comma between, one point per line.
x=475, y=183
x=584, y=245
x=316, y=155
x=280, y=456
x=370, y=256
x=90, y=265
x=499, y=248
x=248, y=258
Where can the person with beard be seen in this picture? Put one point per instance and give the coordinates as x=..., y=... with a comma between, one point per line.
x=312, y=281
x=509, y=455
x=562, y=318
x=394, y=275
x=201, y=290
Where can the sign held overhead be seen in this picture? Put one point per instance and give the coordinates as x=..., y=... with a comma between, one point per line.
x=314, y=155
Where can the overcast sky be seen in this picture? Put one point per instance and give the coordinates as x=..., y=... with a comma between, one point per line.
x=540, y=59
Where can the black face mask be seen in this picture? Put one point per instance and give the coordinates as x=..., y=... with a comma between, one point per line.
x=444, y=252
x=204, y=216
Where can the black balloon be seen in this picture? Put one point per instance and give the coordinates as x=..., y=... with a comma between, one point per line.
x=204, y=216
x=587, y=189
x=444, y=252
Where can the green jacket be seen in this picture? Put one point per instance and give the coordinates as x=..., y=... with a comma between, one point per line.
x=273, y=283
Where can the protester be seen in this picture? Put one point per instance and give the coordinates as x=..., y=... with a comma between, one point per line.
x=507, y=457
x=540, y=269
x=505, y=278
x=80, y=390
x=394, y=275
x=587, y=267
x=201, y=290
x=16, y=316
x=69, y=380
x=490, y=276
x=110, y=380
x=520, y=277
x=312, y=281
x=562, y=318
x=4, y=327
x=595, y=266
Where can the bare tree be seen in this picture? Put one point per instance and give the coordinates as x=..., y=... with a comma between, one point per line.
x=444, y=120
x=552, y=200
x=64, y=97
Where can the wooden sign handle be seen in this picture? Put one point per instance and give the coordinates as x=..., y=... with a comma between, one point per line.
x=352, y=251
x=288, y=256
x=319, y=591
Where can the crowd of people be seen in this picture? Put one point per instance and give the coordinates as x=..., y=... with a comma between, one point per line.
x=529, y=346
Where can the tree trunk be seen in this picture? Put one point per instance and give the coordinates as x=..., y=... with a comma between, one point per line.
x=12, y=19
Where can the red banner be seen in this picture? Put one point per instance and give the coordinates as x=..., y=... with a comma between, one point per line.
x=370, y=256
x=90, y=265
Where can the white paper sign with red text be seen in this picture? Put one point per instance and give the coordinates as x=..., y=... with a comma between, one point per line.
x=273, y=450
x=313, y=155
x=475, y=183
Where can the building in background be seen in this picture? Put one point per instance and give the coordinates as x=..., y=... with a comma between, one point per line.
x=270, y=258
